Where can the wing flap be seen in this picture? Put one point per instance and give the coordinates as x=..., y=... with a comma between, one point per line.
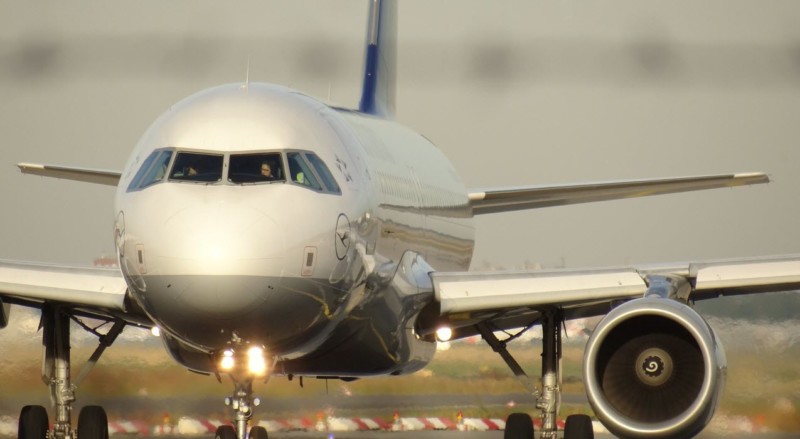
x=98, y=176
x=89, y=287
x=534, y=197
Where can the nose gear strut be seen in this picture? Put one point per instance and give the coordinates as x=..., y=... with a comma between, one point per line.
x=242, y=402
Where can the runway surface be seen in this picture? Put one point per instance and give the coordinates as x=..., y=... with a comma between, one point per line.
x=457, y=435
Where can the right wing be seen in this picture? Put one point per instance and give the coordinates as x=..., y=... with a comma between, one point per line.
x=509, y=199
x=99, y=176
x=94, y=292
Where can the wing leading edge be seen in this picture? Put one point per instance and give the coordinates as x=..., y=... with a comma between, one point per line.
x=516, y=299
x=81, y=286
x=98, y=176
x=533, y=197
x=90, y=291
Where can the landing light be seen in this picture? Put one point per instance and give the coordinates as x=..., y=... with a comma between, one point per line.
x=256, y=363
x=227, y=361
x=156, y=331
x=444, y=333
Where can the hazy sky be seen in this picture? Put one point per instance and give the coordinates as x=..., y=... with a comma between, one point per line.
x=513, y=92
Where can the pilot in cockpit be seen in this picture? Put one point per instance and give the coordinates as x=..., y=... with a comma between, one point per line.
x=266, y=171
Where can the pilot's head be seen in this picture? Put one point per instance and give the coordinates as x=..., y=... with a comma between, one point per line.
x=266, y=170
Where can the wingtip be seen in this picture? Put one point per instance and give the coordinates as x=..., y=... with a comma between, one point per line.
x=753, y=177
x=28, y=166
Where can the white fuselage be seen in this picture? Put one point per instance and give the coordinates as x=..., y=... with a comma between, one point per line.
x=221, y=255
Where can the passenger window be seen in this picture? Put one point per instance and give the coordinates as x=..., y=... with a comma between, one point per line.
x=255, y=168
x=206, y=168
x=152, y=170
x=324, y=173
x=301, y=172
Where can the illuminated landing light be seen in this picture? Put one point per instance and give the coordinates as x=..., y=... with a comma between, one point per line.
x=444, y=334
x=227, y=361
x=256, y=363
x=156, y=331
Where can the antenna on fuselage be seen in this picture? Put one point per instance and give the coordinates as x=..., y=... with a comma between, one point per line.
x=246, y=85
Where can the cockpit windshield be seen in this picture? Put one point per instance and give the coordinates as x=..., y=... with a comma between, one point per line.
x=307, y=169
x=255, y=168
x=190, y=166
x=152, y=170
x=301, y=168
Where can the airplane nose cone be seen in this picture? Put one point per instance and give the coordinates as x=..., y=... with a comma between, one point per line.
x=222, y=260
x=221, y=239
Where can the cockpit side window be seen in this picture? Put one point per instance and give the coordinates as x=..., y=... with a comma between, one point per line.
x=152, y=170
x=323, y=172
x=300, y=171
x=190, y=166
x=255, y=168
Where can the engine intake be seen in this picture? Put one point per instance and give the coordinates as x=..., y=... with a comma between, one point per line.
x=653, y=368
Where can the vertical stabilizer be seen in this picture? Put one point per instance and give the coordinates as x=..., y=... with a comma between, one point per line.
x=380, y=59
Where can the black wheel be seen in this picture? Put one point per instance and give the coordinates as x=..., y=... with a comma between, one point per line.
x=578, y=427
x=225, y=432
x=519, y=426
x=258, y=432
x=33, y=422
x=93, y=423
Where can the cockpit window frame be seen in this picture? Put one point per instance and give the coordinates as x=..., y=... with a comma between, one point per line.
x=222, y=170
x=323, y=185
x=326, y=185
x=324, y=172
x=144, y=177
x=277, y=158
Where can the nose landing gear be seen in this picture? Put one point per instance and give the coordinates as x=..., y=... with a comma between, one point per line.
x=242, y=402
x=243, y=364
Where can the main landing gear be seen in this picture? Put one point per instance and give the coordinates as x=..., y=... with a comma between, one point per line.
x=548, y=400
x=92, y=420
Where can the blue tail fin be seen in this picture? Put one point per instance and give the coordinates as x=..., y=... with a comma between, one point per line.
x=380, y=60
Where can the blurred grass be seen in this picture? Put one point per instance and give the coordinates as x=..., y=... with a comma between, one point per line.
x=762, y=384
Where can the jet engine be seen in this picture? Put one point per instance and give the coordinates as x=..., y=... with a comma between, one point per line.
x=653, y=368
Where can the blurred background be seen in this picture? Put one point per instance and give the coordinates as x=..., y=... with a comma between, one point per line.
x=514, y=92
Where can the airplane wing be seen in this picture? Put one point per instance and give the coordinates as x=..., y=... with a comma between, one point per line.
x=508, y=199
x=99, y=176
x=93, y=292
x=515, y=299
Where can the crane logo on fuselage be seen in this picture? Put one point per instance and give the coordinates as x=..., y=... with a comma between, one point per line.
x=342, y=238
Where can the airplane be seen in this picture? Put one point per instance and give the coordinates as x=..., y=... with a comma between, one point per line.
x=350, y=258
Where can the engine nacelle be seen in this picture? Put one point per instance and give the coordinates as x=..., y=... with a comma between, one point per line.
x=653, y=368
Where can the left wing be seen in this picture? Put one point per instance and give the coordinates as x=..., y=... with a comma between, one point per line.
x=509, y=199
x=516, y=299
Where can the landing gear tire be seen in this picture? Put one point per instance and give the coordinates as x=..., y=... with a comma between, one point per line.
x=258, y=432
x=519, y=426
x=93, y=423
x=578, y=427
x=33, y=422
x=225, y=432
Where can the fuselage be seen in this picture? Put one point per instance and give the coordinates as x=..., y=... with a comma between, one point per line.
x=216, y=251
